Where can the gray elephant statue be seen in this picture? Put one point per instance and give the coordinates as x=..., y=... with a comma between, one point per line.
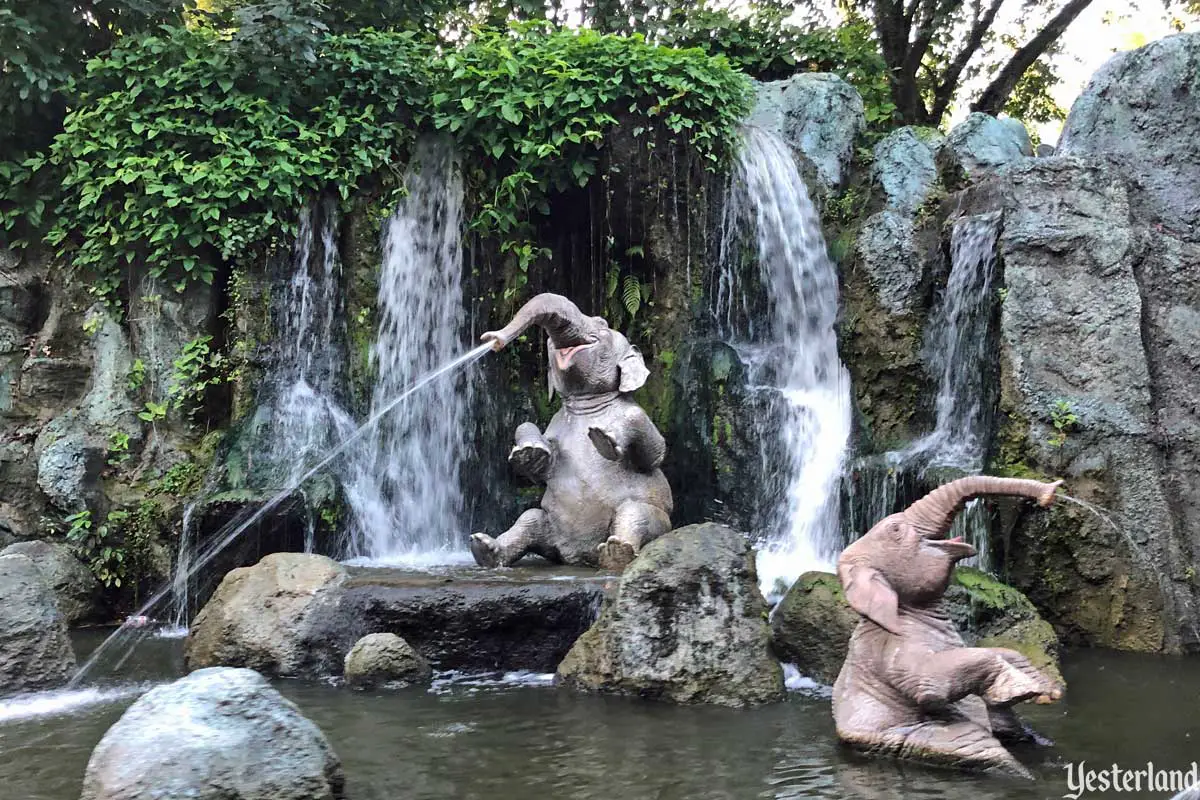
x=909, y=686
x=599, y=457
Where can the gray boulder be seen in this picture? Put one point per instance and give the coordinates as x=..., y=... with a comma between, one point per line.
x=895, y=265
x=1141, y=110
x=819, y=115
x=380, y=659
x=686, y=623
x=982, y=144
x=218, y=734
x=107, y=407
x=1094, y=360
x=256, y=617
x=35, y=652
x=68, y=464
x=905, y=166
x=75, y=587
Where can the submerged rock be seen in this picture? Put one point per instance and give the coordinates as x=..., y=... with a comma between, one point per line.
x=256, y=617
x=812, y=625
x=379, y=659
x=35, y=652
x=819, y=115
x=686, y=623
x=77, y=591
x=218, y=734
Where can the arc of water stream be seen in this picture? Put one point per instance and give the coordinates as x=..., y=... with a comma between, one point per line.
x=235, y=528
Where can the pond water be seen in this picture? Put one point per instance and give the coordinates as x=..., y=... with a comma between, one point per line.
x=520, y=738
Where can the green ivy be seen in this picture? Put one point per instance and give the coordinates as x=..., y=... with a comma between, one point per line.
x=530, y=109
x=186, y=151
x=181, y=154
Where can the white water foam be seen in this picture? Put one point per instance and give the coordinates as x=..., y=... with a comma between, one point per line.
x=66, y=701
x=403, y=484
x=790, y=356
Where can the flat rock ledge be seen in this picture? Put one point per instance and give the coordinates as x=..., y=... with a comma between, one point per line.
x=464, y=618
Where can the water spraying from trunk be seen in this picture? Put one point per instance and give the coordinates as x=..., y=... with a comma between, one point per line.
x=790, y=352
x=124, y=639
x=403, y=484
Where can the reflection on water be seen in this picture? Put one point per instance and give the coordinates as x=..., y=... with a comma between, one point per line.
x=517, y=738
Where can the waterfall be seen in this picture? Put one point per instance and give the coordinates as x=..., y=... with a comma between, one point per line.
x=957, y=348
x=957, y=353
x=404, y=484
x=789, y=347
x=300, y=392
x=307, y=377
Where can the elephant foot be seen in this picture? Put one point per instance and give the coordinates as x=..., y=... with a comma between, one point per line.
x=485, y=550
x=1018, y=680
x=531, y=459
x=615, y=555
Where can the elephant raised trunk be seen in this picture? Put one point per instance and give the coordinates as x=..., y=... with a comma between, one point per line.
x=563, y=321
x=933, y=514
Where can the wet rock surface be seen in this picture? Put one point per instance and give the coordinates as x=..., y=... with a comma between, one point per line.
x=301, y=615
x=384, y=659
x=257, y=615
x=686, y=623
x=35, y=652
x=217, y=734
x=469, y=619
x=75, y=588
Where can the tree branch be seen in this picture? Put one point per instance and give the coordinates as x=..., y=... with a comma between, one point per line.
x=994, y=97
x=949, y=83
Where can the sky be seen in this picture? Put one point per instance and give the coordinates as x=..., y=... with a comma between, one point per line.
x=1103, y=29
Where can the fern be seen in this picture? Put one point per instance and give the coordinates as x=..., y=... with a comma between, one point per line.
x=632, y=295
x=614, y=277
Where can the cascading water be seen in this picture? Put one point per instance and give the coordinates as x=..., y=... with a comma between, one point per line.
x=790, y=352
x=404, y=481
x=957, y=354
x=307, y=377
x=956, y=348
x=301, y=389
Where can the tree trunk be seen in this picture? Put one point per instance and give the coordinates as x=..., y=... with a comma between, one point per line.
x=996, y=95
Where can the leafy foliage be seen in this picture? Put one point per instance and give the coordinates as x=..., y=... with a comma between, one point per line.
x=182, y=153
x=187, y=150
x=530, y=108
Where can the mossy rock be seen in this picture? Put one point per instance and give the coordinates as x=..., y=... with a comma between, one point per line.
x=811, y=626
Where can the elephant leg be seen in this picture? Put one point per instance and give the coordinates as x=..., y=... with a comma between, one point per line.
x=1001, y=677
x=633, y=524
x=527, y=534
x=957, y=743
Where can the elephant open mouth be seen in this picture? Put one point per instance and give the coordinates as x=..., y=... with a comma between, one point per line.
x=563, y=355
x=954, y=547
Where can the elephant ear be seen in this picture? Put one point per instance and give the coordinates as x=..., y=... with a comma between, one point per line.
x=869, y=593
x=633, y=370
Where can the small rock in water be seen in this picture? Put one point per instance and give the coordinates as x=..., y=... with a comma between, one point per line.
x=217, y=734
x=381, y=659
